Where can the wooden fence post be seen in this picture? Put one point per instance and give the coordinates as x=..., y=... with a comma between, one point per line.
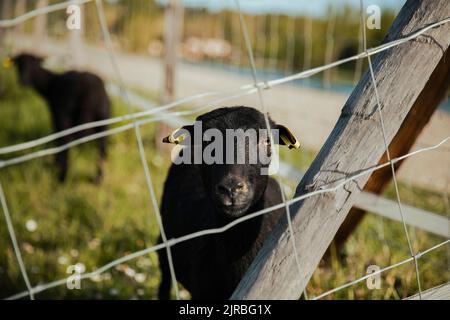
x=355, y=143
x=19, y=9
x=173, y=22
x=40, y=25
x=5, y=13
x=421, y=112
x=172, y=28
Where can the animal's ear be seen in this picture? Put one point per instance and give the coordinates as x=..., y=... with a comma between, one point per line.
x=179, y=135
x=286, y=137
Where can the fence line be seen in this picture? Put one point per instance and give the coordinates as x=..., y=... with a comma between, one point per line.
x=358, y=74
x=249, y=88
x=425, y=220
x=243, y=90
x=440, y=292
x=329, y=45
x=349, y=284
x=267, y=122
x=15, y=244
x=54, y=150
x=171, y=242
x=137, y=131
x=388, y=155
x=44, y=10
x=100, y=123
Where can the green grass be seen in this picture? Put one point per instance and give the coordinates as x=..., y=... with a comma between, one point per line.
x=77, y=221
x=382, y=242
x=80, y=222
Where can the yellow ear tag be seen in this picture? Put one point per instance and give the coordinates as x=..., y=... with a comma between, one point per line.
x=292, y=142
x=171, y=138
x=7, y=63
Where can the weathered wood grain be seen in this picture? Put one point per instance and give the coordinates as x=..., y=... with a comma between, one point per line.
x=355, y=143
x=441, y=292
x=419, y=116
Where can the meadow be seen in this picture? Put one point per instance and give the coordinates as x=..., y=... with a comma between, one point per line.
x=79, y=222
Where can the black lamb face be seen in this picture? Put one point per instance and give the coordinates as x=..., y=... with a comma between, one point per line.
x=27, y=65
x=232, y=149
x=234, y=187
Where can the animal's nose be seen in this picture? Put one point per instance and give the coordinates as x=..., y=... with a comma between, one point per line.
x=231, y=189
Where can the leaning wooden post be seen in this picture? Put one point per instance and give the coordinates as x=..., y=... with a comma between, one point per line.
x=441, y=292
x=427, y=102
x=355, y=143
x=173, y=22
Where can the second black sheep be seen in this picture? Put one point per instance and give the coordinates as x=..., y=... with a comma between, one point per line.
x=73, y=98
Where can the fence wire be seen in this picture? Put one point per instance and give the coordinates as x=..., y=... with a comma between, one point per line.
x=246, y=37
x=137, y=130
x=244, y=90
x=137, y=119
x=171, y=242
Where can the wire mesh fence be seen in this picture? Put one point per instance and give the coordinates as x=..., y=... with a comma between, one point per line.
x=255, y=50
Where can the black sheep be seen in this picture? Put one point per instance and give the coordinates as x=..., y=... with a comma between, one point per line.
x=73, y=98
x=203, y=196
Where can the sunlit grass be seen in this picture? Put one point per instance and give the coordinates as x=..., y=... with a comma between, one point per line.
x=382, y=242
x=80, y=222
